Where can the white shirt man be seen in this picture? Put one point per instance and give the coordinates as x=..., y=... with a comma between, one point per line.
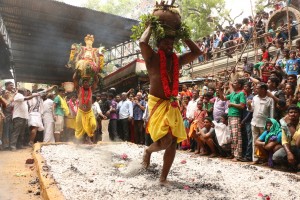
x=191, y=108
x=125, y=109
x=262, y=107
x=20, y=117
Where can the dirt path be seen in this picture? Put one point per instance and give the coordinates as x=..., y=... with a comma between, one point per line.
x=16, y=176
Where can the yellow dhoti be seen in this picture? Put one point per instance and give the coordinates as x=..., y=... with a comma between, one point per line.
x=70, y=122
x=164, y=119
x=85, y=123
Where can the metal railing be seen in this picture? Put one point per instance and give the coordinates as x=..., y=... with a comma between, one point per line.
x=123, y=53
x=128, y=51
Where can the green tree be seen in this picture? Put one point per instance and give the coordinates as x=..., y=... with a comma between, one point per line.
x=198, y=15
x=260, y=5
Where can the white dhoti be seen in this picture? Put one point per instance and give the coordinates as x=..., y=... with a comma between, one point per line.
x=35, y=119
x=48, y=131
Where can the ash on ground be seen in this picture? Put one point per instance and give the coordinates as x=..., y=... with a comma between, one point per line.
x=115, y=172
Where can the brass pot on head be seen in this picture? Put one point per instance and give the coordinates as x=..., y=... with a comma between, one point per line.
x=168, y=15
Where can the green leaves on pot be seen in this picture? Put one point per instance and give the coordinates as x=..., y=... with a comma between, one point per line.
x=159, y=30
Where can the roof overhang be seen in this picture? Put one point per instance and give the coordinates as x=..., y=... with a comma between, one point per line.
x=42, y=32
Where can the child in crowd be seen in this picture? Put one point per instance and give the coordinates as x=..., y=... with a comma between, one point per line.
x=208, y=105
x=281, y=63
x=223, y=136
x=197, y=123
x=266, y=69
x=185, y=144
x=206, y=139
x=293, y=64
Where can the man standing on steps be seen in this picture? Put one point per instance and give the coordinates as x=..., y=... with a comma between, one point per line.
x=165, y=123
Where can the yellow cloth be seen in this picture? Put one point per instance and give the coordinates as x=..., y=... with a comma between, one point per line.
x=165, y=118
x=70, y=122
x=292, y=140
x=193, y=127
x=85, y=123
x=64, y=106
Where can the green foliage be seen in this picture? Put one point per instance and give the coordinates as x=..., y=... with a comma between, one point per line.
x=196, y=13
x=159, y=31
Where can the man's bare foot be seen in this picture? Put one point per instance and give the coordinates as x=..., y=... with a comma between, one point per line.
x=88, y=140
x=146, y=159
x=164, y=182
x=197, y=152
x=213, y=155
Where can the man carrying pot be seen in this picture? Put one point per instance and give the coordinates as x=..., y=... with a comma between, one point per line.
x=165, y=123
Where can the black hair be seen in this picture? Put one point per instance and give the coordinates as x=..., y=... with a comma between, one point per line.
x=241, y=81
x=208, y=119
x=281, y=103
x=224, y=116
x=61, y=89
x=208, y=95
x=293, y=107
x=94, y=98
x=280, y=42
x=293, y=75
x=110, y=95
x=8, y=82
x=245, y=21
x=293, y=86
x=212, y=88
x=275, y=80
x=104, y=93
x=262, y=85
x=249, y=84
x=277, y=74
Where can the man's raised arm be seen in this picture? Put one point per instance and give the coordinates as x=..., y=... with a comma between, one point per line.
x=75, y=81
x=96, y=81
x=146, y=50
x=192, y=55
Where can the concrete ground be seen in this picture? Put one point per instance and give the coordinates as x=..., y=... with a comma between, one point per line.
x=17, y=179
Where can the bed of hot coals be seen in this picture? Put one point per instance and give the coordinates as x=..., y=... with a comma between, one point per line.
x=114, y=171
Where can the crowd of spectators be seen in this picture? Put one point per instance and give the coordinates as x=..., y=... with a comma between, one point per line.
x=255, y=118
x=234, y=37
x=40, y=116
